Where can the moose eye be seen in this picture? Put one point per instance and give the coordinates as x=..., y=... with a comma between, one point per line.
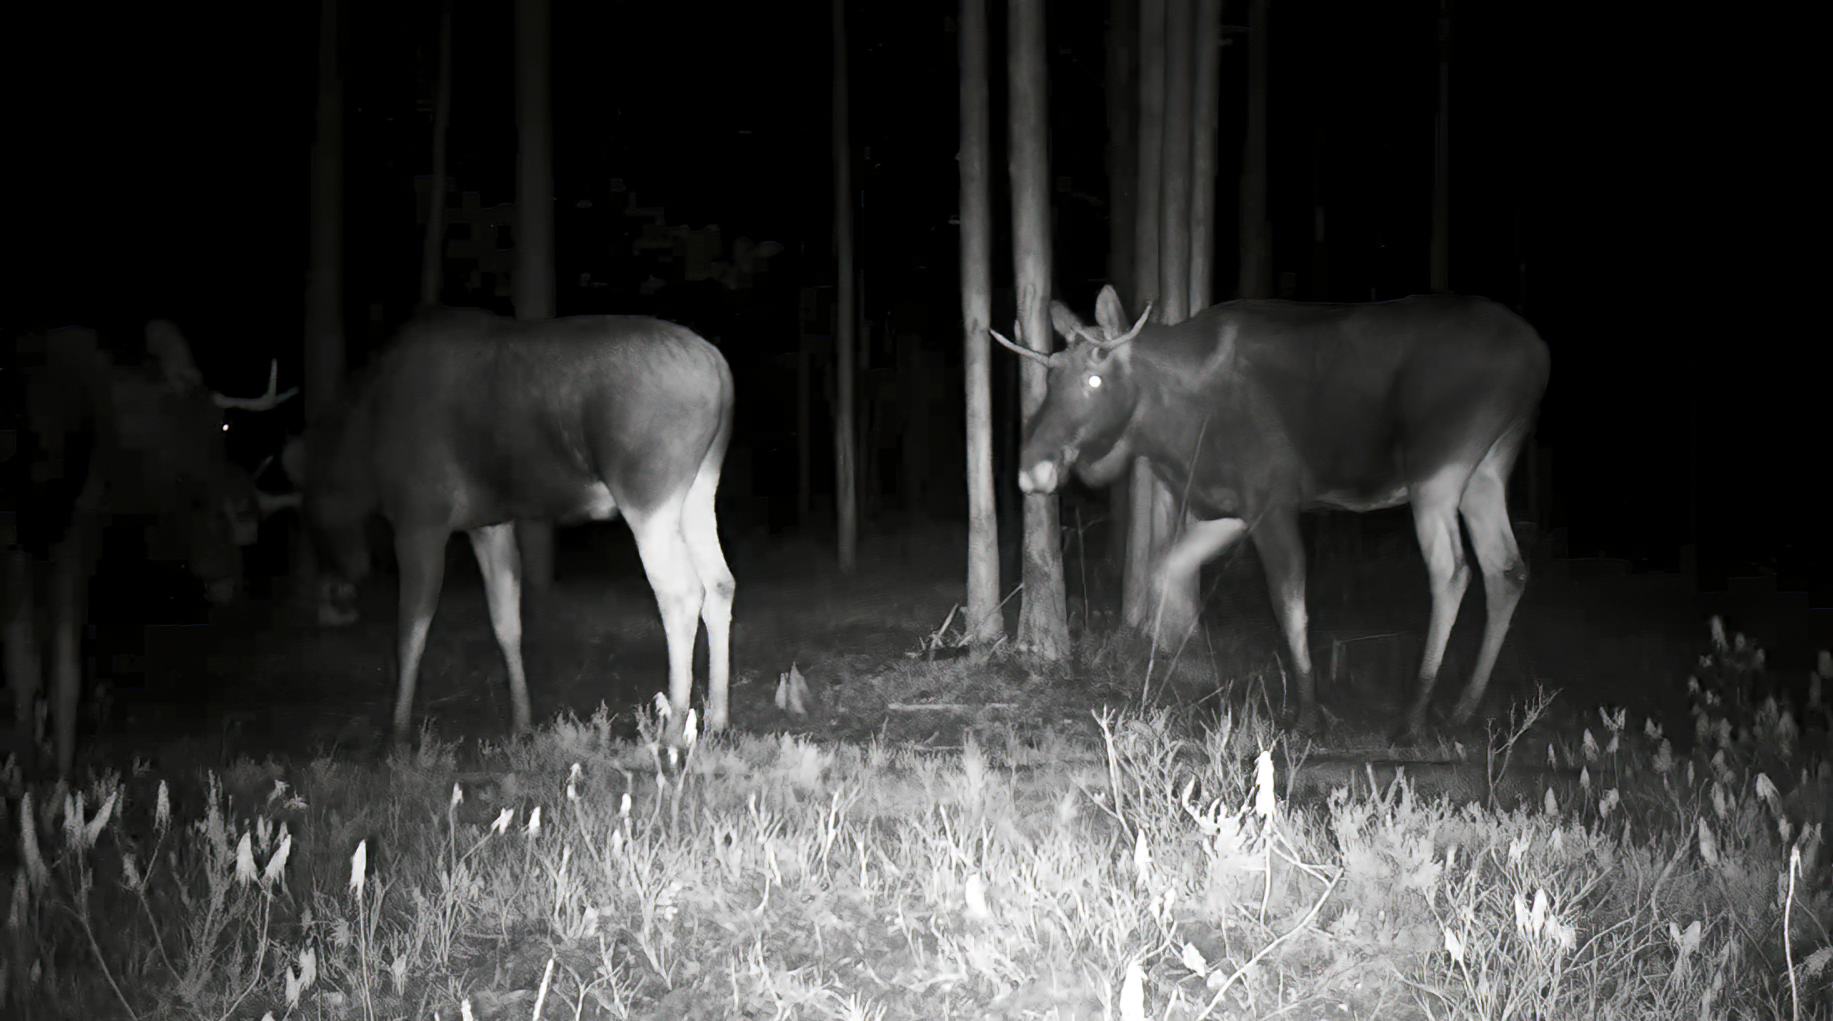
x=1094, y=382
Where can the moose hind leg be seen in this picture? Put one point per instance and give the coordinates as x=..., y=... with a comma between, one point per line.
x=422, y=553
x=679, y=594
x=501, y=562
x=24, y=670
x=701, y=530
x=1505, y=574
x=68, y=604
x=1442, y=543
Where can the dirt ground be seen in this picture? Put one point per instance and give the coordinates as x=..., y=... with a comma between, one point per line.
x=268, y=684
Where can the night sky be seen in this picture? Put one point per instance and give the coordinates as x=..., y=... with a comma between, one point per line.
x=1652, y=176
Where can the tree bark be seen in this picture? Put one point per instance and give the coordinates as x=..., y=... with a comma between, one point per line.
x=846, y=470
x=533, y=285
x=985, y=625
x=1043, y=617
x=1142, y=487
x=432, y=253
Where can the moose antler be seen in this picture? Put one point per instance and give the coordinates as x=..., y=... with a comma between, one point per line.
x=266, y=402
x=1027, y=352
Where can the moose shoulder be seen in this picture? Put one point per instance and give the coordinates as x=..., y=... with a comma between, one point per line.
x=1252, y=411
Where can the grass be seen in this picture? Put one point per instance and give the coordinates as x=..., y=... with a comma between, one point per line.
x=1139, y=864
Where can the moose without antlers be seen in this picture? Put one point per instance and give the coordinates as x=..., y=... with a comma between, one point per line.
x=1252, y=411
x=470, y=422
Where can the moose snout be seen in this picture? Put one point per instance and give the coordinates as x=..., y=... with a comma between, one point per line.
x=220, y=591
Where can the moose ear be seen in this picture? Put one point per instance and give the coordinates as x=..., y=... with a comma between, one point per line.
x=293, y=459
x=1110, y=315
x=168, y=347
x=1067, y=323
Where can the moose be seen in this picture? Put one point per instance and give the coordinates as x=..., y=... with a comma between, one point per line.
x=105, y=443
x=470, y=422
x=1253, y=411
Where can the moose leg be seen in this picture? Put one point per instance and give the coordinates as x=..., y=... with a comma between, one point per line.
x=1485, y=510
x=1171, y=614
x=501, y=562
x=679, y=594
x=422, y=553
x=1440, y=540
x=701, y=531
x=23, y=669
x=67, y=605
x=1282, y=556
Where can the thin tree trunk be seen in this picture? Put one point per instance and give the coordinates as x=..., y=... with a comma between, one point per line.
x=324, y=323
x=432, y=255
x=985, y=625
x=533, y=283
x=1143, y=488
x=846, y=470
x=1123, y=201
x=1043, y=618
x=324, y=331
x=805, y=418
x=1174, y=238
x=1256, y=236
x=24, y=668
x=1319, y=286
x=1122, y=148
x=1174, y=169
x=1204, y=112
x=1441, y=164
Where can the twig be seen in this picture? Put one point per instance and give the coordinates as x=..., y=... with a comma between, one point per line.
x=1222, y=990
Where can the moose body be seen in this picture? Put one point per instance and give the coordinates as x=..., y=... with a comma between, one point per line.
x=470, y=422
x=106, y=443
x=1253, y=411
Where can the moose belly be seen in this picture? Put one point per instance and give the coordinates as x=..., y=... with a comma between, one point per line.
x=1363, y=499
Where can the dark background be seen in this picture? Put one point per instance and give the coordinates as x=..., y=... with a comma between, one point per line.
x=1637, y=184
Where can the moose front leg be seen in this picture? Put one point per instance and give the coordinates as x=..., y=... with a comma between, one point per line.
x=1171, y=612
x=1282, y=556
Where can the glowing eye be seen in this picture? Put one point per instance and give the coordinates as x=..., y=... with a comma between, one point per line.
x=1094, y=382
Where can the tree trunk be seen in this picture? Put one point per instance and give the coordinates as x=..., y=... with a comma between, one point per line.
x=24, y=667
x=324, y=331
x=1441, y=165
x=1256, y=280
x=1123, y=166
x=432, y=254
x=1204, y=112
x=846, y=470
x=1174, y=169
x=985, y=625
x=1165, y=512
x=1042, y=624
x=533, y=284
x=1143, y=487
x=324, y=325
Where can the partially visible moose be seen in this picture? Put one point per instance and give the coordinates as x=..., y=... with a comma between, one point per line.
x=1252, y=411
x=104, y=443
